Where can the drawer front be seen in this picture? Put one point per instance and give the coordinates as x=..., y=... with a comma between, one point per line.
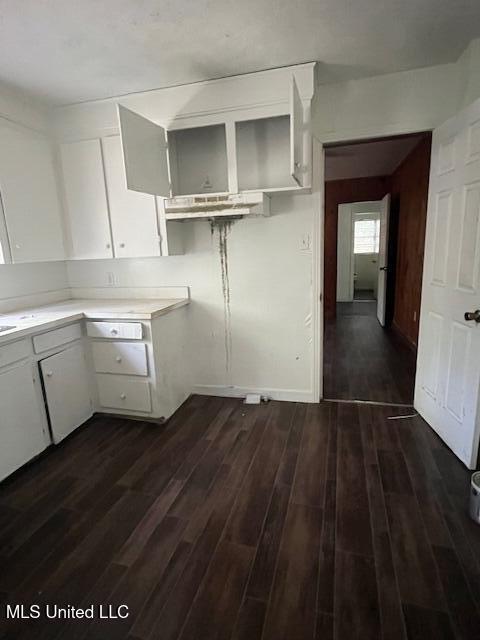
x=14, y=352
x=127, y=358
x=118, y=392
x=57, y=337
x=112, y=330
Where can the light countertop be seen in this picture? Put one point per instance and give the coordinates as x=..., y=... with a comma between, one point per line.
x=33, y=320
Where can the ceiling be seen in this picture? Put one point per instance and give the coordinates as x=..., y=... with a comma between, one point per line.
x=366, y=159
x=84, y=49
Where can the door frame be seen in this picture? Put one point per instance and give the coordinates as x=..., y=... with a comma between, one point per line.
x=361, y=207
x=318, y=190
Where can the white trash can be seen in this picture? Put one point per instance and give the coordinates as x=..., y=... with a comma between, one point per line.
x=475, y=497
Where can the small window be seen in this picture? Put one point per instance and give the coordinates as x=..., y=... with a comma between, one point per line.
x=366, y=236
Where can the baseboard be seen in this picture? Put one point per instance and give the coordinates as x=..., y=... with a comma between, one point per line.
x=286, y=395
x=408, y=343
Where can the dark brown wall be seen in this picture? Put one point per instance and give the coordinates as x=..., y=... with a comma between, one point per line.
x=340, y=192
x=409, y=188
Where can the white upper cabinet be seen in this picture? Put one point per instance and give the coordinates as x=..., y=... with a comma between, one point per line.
x=297, y=170
x=134, y=165
x=28, y=188
x=145, y=153
x=133, y=215
x=86, y=200
x=198, y=160
x=264, y=153
x=270, y=151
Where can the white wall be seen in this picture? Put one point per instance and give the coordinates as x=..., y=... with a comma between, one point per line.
x=264, y=340
x=417, y=100
x=22, y=285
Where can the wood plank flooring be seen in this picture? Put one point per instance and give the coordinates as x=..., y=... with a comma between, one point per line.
x=363, y=361
x=275, y=522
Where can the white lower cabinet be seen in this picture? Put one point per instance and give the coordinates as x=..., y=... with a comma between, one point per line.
x=127, y=358
x=22, y=423
x=67, y=390
x=125, y=394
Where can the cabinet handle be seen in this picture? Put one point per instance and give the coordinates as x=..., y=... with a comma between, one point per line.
x=297, y=165
x=118, y=359
x=49, y=374
x=113, y=332
x=108, y=245
x=122, y=245
x=123, y=396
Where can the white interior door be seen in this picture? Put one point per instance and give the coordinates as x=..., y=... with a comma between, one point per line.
x=133, y=215
x=448, y=370
x=345, y=267
x=383, y=259
x=66, y=382
x=296, y=135
x=145, y=151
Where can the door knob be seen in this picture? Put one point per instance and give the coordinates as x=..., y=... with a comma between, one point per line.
x=49, y=374
x=123, y=396
x=383, y=268
x=118, y=359
x=473, y=315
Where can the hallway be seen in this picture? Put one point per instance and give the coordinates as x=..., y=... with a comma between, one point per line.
x=363, y=361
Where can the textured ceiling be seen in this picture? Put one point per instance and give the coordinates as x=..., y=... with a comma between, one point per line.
x=366, y=159
x=73, y=50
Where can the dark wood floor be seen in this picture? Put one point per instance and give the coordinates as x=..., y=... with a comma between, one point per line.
x=281, y=521
x=364, y=294
x=363, y=361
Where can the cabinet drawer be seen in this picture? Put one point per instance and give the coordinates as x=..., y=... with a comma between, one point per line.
x=118, y=392
x=127, y=358
x=57, y=337
x=14, y=352
x=127, y=330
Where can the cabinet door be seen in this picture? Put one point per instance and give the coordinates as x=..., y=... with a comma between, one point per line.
x=87, y=208
x=30, y=197
x=133, y=215
x=66, y=383
x=144, y=145
x=22, y=424
x=296, y=135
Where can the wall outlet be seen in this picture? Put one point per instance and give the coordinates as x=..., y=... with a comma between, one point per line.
x=110, y=278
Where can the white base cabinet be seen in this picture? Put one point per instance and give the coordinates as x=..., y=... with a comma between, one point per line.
x=22, y=424
x=67, y=390
x=141, y=370
x=130, y=368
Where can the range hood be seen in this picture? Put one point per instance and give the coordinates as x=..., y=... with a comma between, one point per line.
x=233, y=205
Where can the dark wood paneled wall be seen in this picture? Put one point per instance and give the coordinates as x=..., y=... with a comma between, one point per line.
x=339, y=192
x=409, y=187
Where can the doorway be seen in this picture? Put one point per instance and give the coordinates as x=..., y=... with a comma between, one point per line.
x=375, y=213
